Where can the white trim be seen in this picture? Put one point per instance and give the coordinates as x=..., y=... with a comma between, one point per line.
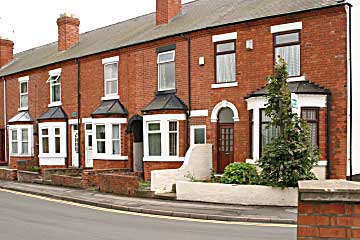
x=224, y=85
x=192, y=132
x=225, y=37
x=104, y=157
x=286, y=27
x=23, y=109
x=51, y=161
x=296, y=79
x=166, y=117
x=87, y=120
x=55, y=72
x=24, y=79
x=224, y=104
x=110, y=60
x=55, y=104
x=163, y=62
x=163, y=159
x=323, y=163
x=110, y=97
x=199, y=113
x=108, y=120
x=252, y=161
x=73, y=122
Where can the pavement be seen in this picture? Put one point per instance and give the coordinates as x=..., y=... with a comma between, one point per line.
x=35, y=218
x=194, y=210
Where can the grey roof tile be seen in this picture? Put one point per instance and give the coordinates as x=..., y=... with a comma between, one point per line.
x=197, y=15
x=110, y=107
x=24, y=116
x=166, y=102
x=53, y=113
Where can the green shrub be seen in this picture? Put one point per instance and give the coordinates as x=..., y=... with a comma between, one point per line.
x=34, y=169
x=240, y=173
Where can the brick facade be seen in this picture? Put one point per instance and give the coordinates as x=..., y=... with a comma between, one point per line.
x=323, y=61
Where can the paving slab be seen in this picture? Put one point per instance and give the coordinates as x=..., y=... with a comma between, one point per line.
x=219, y=212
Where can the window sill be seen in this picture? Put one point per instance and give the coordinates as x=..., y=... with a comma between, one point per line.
x=23, y=109
x=55, y=104
x=224, y=85
x=163, y=159
x=49, y=155
x=106, y=98
x=21, y=156
x=296, y=79
x=110, y=158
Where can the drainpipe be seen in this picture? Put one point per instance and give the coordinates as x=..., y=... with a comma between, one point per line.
x=5, y=120
x=78, y=110
x=328, y=129
x=351, y=97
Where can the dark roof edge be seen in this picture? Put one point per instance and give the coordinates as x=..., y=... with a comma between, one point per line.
x=174, y=35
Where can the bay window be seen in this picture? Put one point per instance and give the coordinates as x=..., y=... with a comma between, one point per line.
x=311, y=116
x=116, y=139
x=100, y=139
x=287, y=46
x=166, y=71
x=21, y=140
x=154, y=136
x=14, y=142
x=45, y=140
x=173, y=138
x=268, y=132
x=225, y=61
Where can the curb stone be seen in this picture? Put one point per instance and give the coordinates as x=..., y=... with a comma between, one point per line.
x=221, y=218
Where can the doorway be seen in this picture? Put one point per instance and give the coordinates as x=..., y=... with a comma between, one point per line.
x=225, y=139
x=75, y=146
x=2, y=146
x=136, y=129
x=89, y=163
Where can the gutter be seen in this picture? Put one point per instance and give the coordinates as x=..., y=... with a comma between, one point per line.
x=5, y=120
x=179, y=34
x=78, y=110
x=328, y=139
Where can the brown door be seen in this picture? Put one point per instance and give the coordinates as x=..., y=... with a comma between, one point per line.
x=2, y=145
x=225, y=146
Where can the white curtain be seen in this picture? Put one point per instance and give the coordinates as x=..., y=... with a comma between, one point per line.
x=167, y=75
x=154, y=144
x=226, y=68
x=291, y=55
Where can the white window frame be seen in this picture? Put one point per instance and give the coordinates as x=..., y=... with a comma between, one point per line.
x=163, y=62
x=52, y=158
x=97, y=140
x=115, y=139
x=177, y=137
x=154, y=132
x=105, y=62
x=108, y=122
x=164, y=120
x=21, y=81
x=192, y=133
x=57, y=74
x=19, y=141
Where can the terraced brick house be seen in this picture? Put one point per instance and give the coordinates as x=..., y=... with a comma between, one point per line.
x=138, y=93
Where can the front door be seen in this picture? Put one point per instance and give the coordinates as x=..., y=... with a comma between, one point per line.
x=225, y=146
x=88, y=146
x=2, y=145
x=75, y=146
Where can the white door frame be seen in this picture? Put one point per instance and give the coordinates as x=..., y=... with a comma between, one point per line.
x=89, y=163
x=75, y=155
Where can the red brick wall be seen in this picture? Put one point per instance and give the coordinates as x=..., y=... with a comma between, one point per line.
x=149, y=166
x=166, y=10
x=118, y=184
x=105, y=164
x=8, y=174
x=323, y=62
x=6, y=51
x=321, y=220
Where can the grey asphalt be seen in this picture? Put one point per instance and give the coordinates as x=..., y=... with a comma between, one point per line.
x=23, y=217
x=220, y=212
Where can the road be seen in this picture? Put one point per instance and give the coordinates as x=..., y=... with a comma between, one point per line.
x=30, y=218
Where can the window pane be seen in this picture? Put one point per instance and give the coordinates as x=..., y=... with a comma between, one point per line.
x=111, y=70
x=90, y=140
x=14, y=146
x=45, y=144
x=287, y=38
x=226, y=68
x=14, y=135
x=101, y=147
x=116, y=147
x=45, y=131
x=57, y=131
x=24, y=135
x=291, y=55
x=314, y=133
x=268, y=134
x=173, y=144
x=225, y=47
x=55, y=93
x=115, y=132
x=111, y=87
x=309, y=115
x=23, y=87
x=24, y=101
x=167, y=75
x=154, y=126
x=155, y=144
x=88, y=127
x=100, y=132
x=172, y=126
x=57, y=144
x=166, y=57
x=199, y=134
x=25, y=147
x=264, y=117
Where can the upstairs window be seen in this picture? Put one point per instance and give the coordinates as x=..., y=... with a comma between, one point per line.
x=111, y=79
x=166, y=71
x=287, y=46
x=55, y=89
x=24, y=95
x=225, y=61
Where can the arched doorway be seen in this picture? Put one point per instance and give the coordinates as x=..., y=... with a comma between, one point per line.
x=136, y=129
x=225, y=139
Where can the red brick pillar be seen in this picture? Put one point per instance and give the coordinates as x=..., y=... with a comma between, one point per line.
x=329, y=210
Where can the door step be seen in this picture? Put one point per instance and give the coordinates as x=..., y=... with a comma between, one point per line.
x=166, y=196
x=144, y=193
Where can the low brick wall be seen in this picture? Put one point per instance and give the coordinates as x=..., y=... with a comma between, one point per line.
x=28, y=177
x=25, y=165
x=8, y=174
x=66, y=181
x=89, y=176
x=329, y=210
x=118, y=184
x=46, y=173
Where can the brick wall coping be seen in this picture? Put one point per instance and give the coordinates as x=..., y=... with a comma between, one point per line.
x=329, y=191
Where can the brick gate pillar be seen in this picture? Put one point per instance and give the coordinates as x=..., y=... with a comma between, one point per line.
x=329, y=210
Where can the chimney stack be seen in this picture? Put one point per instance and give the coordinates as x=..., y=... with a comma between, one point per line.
x=6, y=51
x=68, y=31
x=166, y=10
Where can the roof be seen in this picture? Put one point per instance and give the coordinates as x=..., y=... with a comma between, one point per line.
x=110, y=107
x=196, y=15
x=166, y=102
x=301, y=87
x=54, y=113
x=22, y=117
